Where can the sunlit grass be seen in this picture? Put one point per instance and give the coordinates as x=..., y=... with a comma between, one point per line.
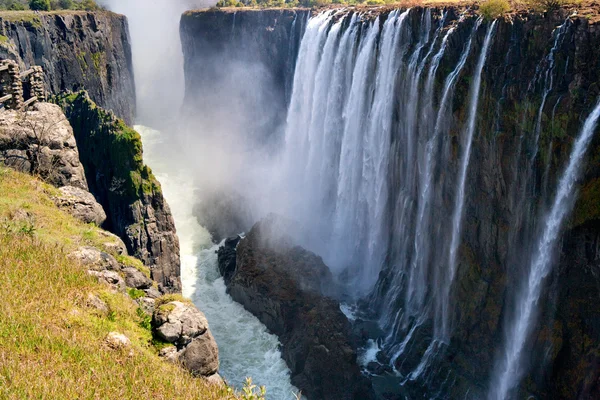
x=51, y=343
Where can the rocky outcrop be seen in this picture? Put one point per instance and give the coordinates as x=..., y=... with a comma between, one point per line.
x=81, y=204
x=281, y=284
x=136, y=210
x=78, y=50
x=183, y=325
x=41, y=142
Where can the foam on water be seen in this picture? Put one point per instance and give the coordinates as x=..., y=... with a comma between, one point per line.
x=245, y=346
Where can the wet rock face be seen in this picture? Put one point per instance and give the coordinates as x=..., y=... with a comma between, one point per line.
x=281, y=284
x=78, y=50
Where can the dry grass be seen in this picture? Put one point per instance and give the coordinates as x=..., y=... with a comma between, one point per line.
x=51, y=343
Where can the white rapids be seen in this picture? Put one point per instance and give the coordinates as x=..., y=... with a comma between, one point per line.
x=246, y=348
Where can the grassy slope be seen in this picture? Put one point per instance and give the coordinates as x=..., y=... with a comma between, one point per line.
x=51, y=343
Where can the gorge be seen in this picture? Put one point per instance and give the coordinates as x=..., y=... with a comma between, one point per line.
x=364, y=202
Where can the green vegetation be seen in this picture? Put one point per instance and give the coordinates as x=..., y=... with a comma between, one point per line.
x=105, y=141
x=39, y=5
x=52, y=342
x=492, y=9
x=47, y=5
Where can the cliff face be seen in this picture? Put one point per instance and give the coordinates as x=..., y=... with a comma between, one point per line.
x=78, y=50
x=532, y=104
x=257, y=48
x=111, y=154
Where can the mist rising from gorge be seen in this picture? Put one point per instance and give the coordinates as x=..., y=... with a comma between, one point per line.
x=157, y=54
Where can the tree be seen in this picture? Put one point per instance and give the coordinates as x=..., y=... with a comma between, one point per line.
x=39, y=5
x=66, y=4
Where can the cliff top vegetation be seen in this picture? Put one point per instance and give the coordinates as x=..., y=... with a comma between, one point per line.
x=53, y=344
x=48, y=5
x=488, y=8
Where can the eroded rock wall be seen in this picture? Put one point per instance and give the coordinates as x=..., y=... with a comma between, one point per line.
x=78, y=50
x=111, y=154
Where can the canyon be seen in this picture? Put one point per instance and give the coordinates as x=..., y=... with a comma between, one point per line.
x=437, y=173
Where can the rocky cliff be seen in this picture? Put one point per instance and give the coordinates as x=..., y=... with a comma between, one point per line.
x=282, y=285
x=78, y=50
x=111, y=155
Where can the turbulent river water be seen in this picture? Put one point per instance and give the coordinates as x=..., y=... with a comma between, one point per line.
x=245, y=346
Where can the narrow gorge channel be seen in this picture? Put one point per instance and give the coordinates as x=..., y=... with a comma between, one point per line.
x=246, y=349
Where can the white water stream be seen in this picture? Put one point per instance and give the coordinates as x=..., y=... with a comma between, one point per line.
x=245, y=346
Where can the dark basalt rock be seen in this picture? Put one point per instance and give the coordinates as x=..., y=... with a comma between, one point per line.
x=78, y=50
x=282, y=284
x=111, y=154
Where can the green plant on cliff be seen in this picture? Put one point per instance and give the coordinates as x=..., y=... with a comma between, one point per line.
x=492, y=9
x=39, y=5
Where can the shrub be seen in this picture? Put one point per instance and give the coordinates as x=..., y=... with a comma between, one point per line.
x=492, y=9
x=39, y=5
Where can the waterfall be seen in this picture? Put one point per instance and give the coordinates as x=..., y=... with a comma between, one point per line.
x=464, y=163
x=510, y=369
x=363, y=184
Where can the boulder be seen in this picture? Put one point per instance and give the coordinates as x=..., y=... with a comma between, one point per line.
x=281, y=284
x=152, y=293
x=95, y=259
x=116, y=340
x=169, y=353
x=96, y=302
x=136, y=279
x=147, y=304
x=179, y=323
x=112, y=278
x=201, y=356
x=81, y=204
x=113, y=243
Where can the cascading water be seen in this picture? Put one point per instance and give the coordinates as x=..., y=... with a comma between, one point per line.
x=464, y=163
x=370, y=182
x=510, y=369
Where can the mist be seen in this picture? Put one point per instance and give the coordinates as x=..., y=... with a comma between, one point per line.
x=224, y=129
x=157, y=54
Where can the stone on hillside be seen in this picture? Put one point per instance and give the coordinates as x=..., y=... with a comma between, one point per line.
x=177, y=322
x=201, y=356
x=95, y=259
x=112, y=278
x=115, y=245
x=96, y=302
x=81, y=204
x=116, y=340
x=136, y=279
x=170, y=354
x=215, y=379
x=152, y=293
x=147, y=304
